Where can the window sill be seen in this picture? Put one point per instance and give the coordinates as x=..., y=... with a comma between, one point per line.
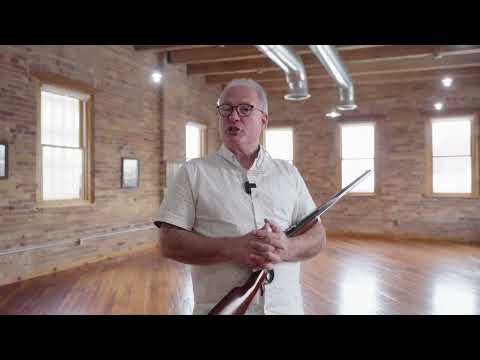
x=352, y=194
x=62, y=204
x=450, y=196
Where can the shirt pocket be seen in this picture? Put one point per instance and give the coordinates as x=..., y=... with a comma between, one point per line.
x=218, y=215
x=278, y=208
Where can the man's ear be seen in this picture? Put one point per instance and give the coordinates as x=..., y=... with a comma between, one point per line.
x=265, y=121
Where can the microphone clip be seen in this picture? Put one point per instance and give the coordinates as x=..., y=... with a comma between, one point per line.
x=249, y=187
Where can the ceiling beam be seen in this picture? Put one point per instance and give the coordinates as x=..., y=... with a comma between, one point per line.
x=180, y=48
x=364, y=68
x=413, y=76
x=391, y=52
x=165, y=48
x=228, y=53
x=318, y=86
x=446, y=50
x=239, y=52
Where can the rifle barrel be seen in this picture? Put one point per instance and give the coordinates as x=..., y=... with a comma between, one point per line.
x=328, y=204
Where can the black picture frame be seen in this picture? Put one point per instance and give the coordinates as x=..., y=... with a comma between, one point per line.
x=130, y=173
x=3, y=160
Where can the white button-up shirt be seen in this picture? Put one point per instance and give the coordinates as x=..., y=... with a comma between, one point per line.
x=208, y=197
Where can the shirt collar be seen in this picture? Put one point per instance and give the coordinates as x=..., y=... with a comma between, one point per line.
x=225, y=153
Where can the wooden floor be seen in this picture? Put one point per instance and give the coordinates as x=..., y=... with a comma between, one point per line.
x=353, y=276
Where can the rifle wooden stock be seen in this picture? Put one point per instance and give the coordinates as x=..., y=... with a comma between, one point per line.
x=236, y=302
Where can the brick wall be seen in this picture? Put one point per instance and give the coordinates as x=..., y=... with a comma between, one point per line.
x=128, y=117
x=399, y=209
x=187, y=98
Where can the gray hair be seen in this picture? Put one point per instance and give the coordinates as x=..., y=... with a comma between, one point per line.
x=252, y=84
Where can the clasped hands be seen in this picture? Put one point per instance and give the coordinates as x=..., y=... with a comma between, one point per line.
x=261, y=249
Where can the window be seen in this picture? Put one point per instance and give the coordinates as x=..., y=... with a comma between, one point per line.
x=64, y=146
x=358, y=154
x=195, y=140
x=279, y=143
x=452, y=157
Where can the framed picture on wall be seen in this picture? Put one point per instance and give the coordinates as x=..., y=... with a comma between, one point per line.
x=3, y=161
x=130, y=173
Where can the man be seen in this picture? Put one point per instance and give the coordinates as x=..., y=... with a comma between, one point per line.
x=225, y=214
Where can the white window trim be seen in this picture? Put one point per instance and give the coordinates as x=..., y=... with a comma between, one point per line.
x=474, y=138
x=280, y=127
x=203, y=137
x=375, y=154
x=49, y=82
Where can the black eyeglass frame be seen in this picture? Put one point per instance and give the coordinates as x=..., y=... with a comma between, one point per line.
x=236, y=109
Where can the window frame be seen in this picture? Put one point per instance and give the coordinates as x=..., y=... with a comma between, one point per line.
x=280, y=127
x=376, y=160
x=122, y=173
x=5, y=176
x=474, y=144
x=67, y=86
x=203, y=138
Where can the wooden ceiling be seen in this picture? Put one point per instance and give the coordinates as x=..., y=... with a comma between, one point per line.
x=366, y=64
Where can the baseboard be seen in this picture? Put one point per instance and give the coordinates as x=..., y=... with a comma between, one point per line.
x=31, y=264
x=73, y=265
x=392, y=236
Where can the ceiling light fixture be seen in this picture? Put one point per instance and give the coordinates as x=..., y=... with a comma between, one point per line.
x=447, y=81
x=156, y=77
x=333, y=114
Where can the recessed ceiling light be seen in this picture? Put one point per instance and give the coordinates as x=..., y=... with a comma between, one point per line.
x=438, y=106
x=156, y=77
x=333, y=114
x=447, y=82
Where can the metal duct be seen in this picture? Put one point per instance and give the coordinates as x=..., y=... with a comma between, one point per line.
x=292, y=64
x=330, y=59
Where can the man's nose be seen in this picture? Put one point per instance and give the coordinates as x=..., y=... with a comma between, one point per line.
x=234, y=116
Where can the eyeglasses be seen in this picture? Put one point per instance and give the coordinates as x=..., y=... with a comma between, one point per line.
x=243, y=110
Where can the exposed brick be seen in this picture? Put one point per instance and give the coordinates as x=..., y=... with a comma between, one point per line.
x=399, y=209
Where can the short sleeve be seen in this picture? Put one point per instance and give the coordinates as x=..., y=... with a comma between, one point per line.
x=304, y=204
x=178, y=206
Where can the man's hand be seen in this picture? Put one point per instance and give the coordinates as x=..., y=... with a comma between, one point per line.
x=270, y=245
x=239, y=250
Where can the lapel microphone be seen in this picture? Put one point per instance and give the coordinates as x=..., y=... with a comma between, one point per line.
x=249, y=187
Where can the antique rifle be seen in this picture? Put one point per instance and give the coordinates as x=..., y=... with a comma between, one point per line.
x=236, y=302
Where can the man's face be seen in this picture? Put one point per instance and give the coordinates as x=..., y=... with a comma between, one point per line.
x=238, y=130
